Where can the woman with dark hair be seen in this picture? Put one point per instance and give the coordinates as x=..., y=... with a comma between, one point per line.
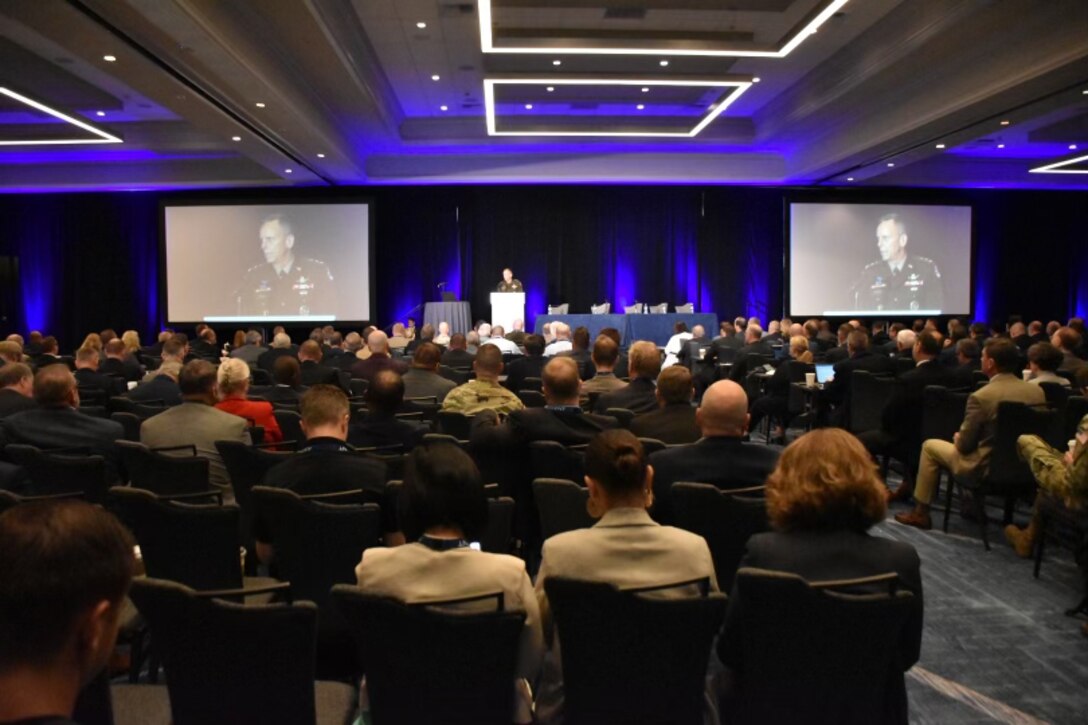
x=625, y=548
x=442, y=509
x=822, y=499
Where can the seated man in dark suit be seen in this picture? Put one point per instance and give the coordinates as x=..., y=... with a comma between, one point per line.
x=721, y=457
x=562, y=419
x=313, y=372
x=901, y=420
x=380, y=426
x=640, y=395
x=161, y=388
x=65, y=568
x=57, y=423
x=286, y=382
x=88, y=377
x=16, y=389
x=49, y=354
x=327, y=463
x=205, y=346
x=579, y=351
x=529, y=365
x=840, y=351
x=119, y=364
x=457, y=354
x=281, y=347
x=380, y=359
x=754, y=351
x=861, y=358
x=967, y=361
x=674, y=421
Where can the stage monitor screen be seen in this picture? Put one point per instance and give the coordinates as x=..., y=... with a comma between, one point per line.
x=267, y=262
x=879, y=259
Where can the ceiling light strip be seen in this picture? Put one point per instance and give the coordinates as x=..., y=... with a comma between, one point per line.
x=487, y=41
x=103, y=136
x=1056, y=167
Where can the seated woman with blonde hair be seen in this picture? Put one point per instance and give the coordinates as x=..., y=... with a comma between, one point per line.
x=233, y=378
x=822, y=499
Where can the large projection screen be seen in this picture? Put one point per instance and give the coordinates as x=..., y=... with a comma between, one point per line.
x=267, y=262
x=879, y=259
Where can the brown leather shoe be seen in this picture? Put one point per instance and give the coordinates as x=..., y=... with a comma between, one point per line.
x=917, y=518
x=1022, y=540
x=899, y=495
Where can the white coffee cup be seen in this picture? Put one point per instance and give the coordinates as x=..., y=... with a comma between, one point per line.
x=1027, y=375
x=810, y=379
x=131, y=384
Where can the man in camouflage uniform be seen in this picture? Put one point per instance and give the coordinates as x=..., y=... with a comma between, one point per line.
x=483, y=393
x=285, y=285
x=899, y=281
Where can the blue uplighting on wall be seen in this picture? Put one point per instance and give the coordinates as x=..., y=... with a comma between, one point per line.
x=623, y=280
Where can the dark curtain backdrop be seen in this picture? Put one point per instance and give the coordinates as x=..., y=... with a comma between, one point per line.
x=89, y=261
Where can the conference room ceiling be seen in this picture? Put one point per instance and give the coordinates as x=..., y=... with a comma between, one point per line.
x=248, y=93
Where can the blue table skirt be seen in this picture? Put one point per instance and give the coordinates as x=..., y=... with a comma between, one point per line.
x=655, y=328
x=458, y=314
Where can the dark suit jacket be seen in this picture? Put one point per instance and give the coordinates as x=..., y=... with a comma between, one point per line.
x=742, y=362
x=129, y=368
x=963, y=376
x=110, y=386
x=675, y=423
x=12, y=402
x=836, y=354
x=569, y=427
x=831, y=555
x=314, y=373
x=339, y=359
x=379, y=430
x=638, y=396
x=727, y=463
x=160, y=387
x=366, y=369
x=524, y=367
x=66, y=428
x=267, y=359
x=835, y=391
x=14, y=478
x=458, y=358
x=902, y=415
x=277, y=393
x=205, y=350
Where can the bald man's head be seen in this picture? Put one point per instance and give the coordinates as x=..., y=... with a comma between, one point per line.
x=724, y=410
x=377, y=341
x=561, y=381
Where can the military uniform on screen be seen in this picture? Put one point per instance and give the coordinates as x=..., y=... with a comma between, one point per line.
x=917, y=285
x=307, y=288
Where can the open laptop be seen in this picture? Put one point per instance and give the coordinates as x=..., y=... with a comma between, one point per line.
x=824, y=373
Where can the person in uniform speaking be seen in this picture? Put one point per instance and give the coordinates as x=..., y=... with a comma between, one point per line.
x=285, y=284
x=899, y=281
x=509, y=284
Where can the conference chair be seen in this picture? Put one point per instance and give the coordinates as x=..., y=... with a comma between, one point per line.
x=632, y=309
x=562, y=309
x=228, y=663
x=165, y=475
x=561, y=505
x=1056, y=395
x=725, y=518
x=866, y=398
x=551, y=459
x=602, y=309
x=687, y=309
x=623, y=415
x=1007, y=476
x=837, y=645
x=660, y=309
x=142, y=410
x=454, y=423
x=497, y=537
x=431, y=662
x=532, y=398
x=61, y=471
x=630, y=656
x=131, y=424
x=290, y=423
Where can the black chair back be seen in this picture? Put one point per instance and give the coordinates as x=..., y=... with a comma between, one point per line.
x=59, y=473
x=531, y=383
x=787, y=632
x=726, y=519
x=290, y=423
x=562, y=506
x=531, y=398
x=1007, y=473
x=868, y=396
x=194, y=545
x=130, y=422
x=426, y=664
x=629, y=658
x=549, y=459
x=942, y=412
x=652, y=445
x=1075, y=410
x=227, y=663
x=1056, y=394
x=496, y=538
x=623, y=415
x=454, y=424
x=163, y=474
x=142, y=410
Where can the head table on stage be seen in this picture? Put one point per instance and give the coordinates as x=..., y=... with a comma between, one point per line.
x=655, y=328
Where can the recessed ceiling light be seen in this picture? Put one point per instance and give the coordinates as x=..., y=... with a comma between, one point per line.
x=940, y=145
x=557, y=62
x=528, y=106
x=109, y=58
x=436, y=77
x=551, y=89
x=421, y=25
x=1004, y=123
x=663, y=63
x=321, y=156
x=1085, y=92
x=259, y=104
x=1001, y=145
x=235, y=138
x=645, y=90
x=443, y=108
x=849, y=178
x=288, y=171
x=757, y=79
x=1072, y=147
x=891, y=164
x=100, y=113
x=640, y=106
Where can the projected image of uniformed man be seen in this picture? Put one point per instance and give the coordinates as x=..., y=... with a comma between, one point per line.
x=898, y=281
x=285, y=284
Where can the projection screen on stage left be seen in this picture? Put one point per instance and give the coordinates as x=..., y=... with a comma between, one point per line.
x=262, y=262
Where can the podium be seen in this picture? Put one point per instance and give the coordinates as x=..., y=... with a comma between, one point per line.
x=507, y=307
